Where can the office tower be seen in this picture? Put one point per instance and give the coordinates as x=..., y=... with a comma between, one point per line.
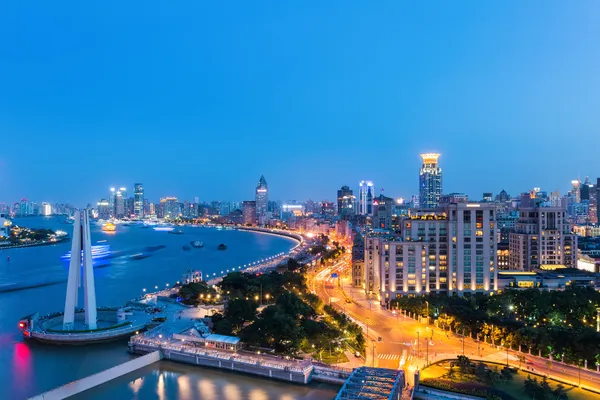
x=104, y=209
x=585, y=189
x=249, y=212
x=576, y=191
x=366, y=193
x=262, y=200
x=170, y=207
x=430, y=181
x=345, y=201
x=138, y=200
x=448, y=251
x=23, y=208
x=46, y=209
x=542, y=236
x=593, y=205
x=111, y=201
x=383, y=208
x=502, y=197
x=81, y=263
x=120, y=202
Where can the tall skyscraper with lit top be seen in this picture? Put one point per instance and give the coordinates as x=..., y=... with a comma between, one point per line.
x=262, y=200
x=366, y=194
x=430, y=181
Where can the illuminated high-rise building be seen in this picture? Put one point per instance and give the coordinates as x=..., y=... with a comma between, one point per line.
x=542, y=237
x=262, y=200
x=138, y=200
x=430, y=181
x=46, y=209
x=249, y=212
x=450, y=250
x=104, y=211
x=345, y=201
x=366, y=194
x=576, y=191
x=120, y=197
x=171, y=207
x=111, y=201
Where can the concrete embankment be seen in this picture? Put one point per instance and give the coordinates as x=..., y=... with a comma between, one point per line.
x=76, y=387
x=276, y=369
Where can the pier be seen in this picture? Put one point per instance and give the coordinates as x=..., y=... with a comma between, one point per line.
x=81, y=385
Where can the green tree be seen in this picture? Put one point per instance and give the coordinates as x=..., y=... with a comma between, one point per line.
x=239, y=311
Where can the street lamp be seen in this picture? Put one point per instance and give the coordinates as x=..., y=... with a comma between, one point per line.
x=373, y=353
x=426, y=302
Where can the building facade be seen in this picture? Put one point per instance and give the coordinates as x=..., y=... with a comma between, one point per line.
x=138, y=200
x=262, y=200
x=104, y=211
x=383, y=208
x=430, y=181
x=542, y=236
x=249, y=212
x=345, y=201
x=171, y=208
x=366, y=193
x=450, y=250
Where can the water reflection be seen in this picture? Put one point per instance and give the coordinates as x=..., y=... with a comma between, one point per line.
x=136, y=385
x=168, y=381
x=22, y=364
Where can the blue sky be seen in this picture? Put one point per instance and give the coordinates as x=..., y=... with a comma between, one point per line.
x=201, y=98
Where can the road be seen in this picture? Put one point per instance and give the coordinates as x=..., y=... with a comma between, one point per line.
x=396, y=341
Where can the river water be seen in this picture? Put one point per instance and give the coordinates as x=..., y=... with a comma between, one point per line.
x=32, y=368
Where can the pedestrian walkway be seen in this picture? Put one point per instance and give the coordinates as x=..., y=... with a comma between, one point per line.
x=388, y=356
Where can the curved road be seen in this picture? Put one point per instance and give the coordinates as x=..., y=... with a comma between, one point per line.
x=395, y=341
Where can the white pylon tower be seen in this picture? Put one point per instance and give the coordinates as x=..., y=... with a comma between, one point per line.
x=81, y=241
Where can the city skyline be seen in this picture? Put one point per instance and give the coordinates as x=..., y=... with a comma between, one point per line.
x=171, y=108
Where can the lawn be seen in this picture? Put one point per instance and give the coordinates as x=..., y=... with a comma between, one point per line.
x=333, y=359
x=511, y=389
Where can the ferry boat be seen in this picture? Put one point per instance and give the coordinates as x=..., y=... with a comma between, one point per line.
x=163, y=228
x=98, y=252
x=176, y=232
x=197, y=244
x=109, y=227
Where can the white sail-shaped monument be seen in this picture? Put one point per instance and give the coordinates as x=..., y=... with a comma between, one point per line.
x=81, y=273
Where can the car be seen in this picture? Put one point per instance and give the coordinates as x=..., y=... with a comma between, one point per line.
x=356, y=354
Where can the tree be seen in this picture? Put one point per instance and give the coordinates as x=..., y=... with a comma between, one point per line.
x=463, y=363
x=239, y=311
x=560, y=393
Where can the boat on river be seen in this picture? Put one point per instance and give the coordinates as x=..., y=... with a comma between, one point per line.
x=197, y=244
x=222, y=246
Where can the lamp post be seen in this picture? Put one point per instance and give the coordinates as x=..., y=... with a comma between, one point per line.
x=373, y=354
x=418, y=343
x=426, y=302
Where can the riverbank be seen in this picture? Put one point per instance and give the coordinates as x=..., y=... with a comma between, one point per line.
x=34, y=244
x=29, y=365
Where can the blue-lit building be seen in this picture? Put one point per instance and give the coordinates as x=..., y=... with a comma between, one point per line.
x=430, y=181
